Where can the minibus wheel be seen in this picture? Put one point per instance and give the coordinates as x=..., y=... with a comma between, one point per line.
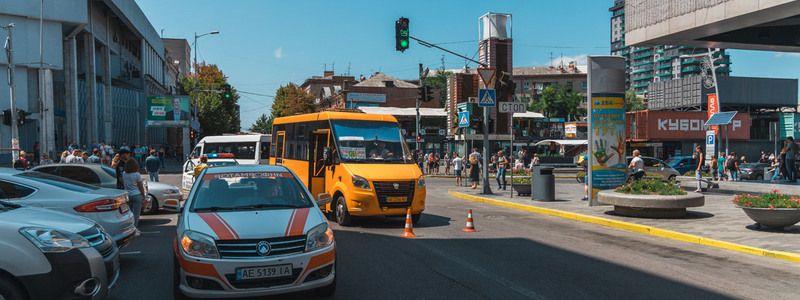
x=342, y=215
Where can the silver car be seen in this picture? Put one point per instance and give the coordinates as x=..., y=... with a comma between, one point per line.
x=656, y=167
x=107, y=207
x=159, y=195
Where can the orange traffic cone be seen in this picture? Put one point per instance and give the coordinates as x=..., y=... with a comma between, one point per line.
x=470, y=225
x=408, y=232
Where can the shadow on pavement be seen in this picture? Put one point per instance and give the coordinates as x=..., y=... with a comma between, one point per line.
x=426, y=221
x=690, y=215
x=787, y=230
x=383, y=267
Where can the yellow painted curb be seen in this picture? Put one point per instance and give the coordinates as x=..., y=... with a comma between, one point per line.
x=632, y=227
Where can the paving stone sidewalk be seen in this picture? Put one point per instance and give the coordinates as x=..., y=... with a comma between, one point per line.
x=719, y=219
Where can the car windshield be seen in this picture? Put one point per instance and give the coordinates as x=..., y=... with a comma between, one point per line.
x=62, y=182
x=370, y=141
x=249, y=191
x=242, y=150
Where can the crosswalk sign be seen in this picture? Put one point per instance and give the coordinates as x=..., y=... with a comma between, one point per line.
x=463, y=119
x=487, y=97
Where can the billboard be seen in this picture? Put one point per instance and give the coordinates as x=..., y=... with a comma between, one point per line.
x=168, y=111
x=681, y=125
x=607, y=164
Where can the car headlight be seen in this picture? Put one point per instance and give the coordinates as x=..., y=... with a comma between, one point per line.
x=319, y=237
x=52, y=240
x=421, y=181
x=360, y=182
x=198, y=245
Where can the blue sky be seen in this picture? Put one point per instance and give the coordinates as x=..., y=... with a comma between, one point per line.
x=265, y=44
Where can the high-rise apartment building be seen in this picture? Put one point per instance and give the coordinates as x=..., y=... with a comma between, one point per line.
x=645, y=65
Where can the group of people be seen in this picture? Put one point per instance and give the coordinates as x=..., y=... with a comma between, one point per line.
x=499, y=163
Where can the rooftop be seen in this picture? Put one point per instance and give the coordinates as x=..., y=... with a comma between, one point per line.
x=380, y=79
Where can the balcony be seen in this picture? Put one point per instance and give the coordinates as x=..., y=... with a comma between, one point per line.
x=644, y=55
x=690, y=69
x=664, y=66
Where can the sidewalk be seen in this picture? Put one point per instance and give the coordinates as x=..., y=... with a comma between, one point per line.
x=719, y=219
x=738, y=187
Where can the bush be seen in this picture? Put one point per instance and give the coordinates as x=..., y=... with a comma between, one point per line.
x=650, y=187
x=770, y=200
x=521, y=177
x=692, y=172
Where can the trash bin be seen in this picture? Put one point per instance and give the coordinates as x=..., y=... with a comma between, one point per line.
x=543, y=184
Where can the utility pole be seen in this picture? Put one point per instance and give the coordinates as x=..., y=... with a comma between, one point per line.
x=9, y=47
x=196, y=80
x=416, y=135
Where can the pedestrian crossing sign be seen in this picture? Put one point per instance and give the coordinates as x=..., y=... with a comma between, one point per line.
x=463, y=119
x=487, y=97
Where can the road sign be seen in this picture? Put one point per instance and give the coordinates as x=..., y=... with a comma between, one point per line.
x=487, y=97
x=710, y=144
x=463, y=119
x=512, y=107
x=487, y=76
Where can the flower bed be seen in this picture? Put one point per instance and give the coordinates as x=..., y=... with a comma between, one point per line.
x=650, y=187
x=774, y=199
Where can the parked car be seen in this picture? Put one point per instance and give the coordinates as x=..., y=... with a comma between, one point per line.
x=107, y=207
x=254, y=230
x=682, y=164
x=657, y=167
x=214, y=160
x=53, y=255
x=752, y=171
x=159, y=195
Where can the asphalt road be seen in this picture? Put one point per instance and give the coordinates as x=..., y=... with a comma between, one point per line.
x=515, y=255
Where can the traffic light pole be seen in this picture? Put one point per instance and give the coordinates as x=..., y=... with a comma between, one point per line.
x=416, y=135
x=13, y=92
x=487, y=190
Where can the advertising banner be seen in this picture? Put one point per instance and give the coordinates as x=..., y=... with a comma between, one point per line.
x=681, y=125
x=168, y=111
x=713, y=107
x=607, y=165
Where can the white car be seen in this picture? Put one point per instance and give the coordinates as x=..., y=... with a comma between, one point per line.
x=254, y=230
x=52, y=255
x=107, y=207
x=214, y=160
x=159, y=195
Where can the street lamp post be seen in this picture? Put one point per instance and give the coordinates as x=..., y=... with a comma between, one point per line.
x=194, y=87
x=710, y=57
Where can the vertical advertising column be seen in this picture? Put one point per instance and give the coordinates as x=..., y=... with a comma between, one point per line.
x=606, y=109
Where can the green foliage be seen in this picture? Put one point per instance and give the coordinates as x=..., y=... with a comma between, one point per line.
x=650, y=187
x=774, y=199
x=521, y=177
x=263, y=124
x=291, y=100
x=632, y=102
x=557, y=101
x=216, y=116
x=438, y=82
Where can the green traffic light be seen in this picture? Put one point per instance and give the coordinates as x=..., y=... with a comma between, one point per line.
x=404, y=43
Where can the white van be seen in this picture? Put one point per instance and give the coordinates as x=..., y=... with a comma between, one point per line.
x=241, y=149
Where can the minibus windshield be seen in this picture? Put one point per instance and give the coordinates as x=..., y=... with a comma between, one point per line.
x=370, y=142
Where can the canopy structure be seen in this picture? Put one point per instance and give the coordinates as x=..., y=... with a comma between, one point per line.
x=528, y=115
x=403, y=111
x=563, y=142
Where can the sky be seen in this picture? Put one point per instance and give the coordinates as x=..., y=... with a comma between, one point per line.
x=264, y=44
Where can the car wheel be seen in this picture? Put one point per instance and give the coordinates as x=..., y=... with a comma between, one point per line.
x=151, y=205
x=328, y=290
x=672, y=178
x=415, y=218
x=342, y=215
x=176, y=282
x=10, y=289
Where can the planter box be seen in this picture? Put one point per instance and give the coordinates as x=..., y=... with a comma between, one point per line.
x=651, y=206
x=522, y=189
x=775, y=218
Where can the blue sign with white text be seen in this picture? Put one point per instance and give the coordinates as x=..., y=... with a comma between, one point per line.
x=463, y=119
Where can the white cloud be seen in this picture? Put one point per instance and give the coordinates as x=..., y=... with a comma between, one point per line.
x=580, y=59
x=279, y=52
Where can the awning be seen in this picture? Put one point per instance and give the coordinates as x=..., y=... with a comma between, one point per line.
x=563, y=142
x=529, y=115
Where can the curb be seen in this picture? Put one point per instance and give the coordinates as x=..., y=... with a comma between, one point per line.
x=632, y=227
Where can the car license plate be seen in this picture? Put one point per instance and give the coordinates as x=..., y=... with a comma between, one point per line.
x=124, y=208
x=396, y=199
x=264, y=272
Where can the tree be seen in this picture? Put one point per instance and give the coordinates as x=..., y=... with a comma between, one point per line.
x=634, y=102
x=439, y=82
x=215, y=115
x=560, y=102
x=263, y=124
x=290, y=100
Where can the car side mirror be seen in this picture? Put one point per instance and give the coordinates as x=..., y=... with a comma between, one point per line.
x=323, y=199
x=327, y=156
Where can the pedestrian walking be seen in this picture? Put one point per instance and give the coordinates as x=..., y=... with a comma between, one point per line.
x=447, y=161
x=714, y=168
x=458, y=165
x=502, y=164
x=85, y=157
x=721, y=166
x=775, y=168
x=584, y=162
x=698, y=172
x=733, y=166
x=134, y=185
x=21, y=163
x=75, y=157
x=152, y=164
x=636, y=165
x=119, y=167
x=791, y=157
x=474, y=171
x=95, y=158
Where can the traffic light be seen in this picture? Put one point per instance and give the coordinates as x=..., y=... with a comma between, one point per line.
x=402, y=35
x=192, y=134
x=7, y=117
x=425, y=93
x=21, y=116
x=226, y=92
